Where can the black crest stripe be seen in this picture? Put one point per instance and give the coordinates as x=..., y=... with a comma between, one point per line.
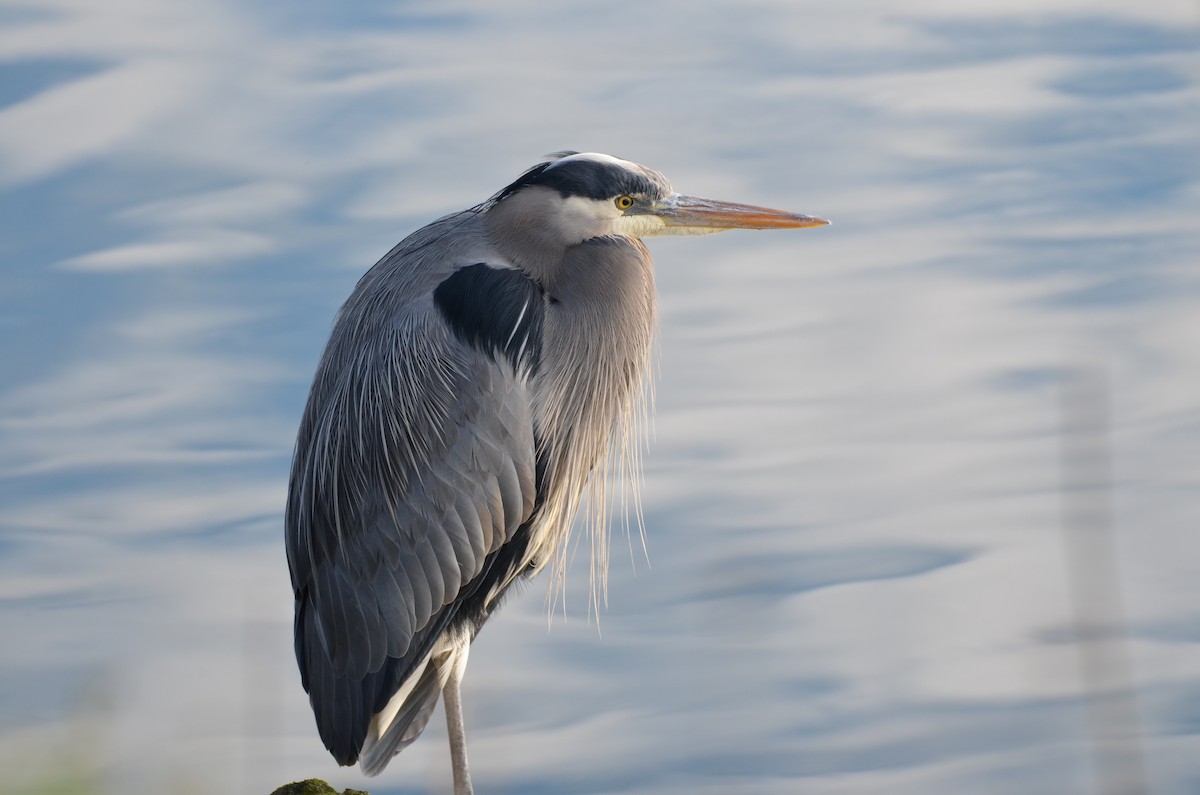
x=594, y=180
x=498, y=310
x=591, y=179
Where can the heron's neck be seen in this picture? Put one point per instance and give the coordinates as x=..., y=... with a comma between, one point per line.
x=590, y=400
x=534, y=231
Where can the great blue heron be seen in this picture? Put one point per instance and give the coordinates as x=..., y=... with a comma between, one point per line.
x=477, y=380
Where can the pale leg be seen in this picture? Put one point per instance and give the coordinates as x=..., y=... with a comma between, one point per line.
x=452, y=700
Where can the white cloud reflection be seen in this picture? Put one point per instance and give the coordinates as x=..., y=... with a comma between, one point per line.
x=858, y=581
x=208, y=246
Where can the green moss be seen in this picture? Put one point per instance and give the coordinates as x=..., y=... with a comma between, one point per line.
x=313, y=786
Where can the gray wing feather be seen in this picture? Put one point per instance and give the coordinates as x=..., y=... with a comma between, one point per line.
x=409, y=723
x=415, y=461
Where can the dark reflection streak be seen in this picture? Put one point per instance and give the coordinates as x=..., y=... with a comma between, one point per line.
x=1113, y=723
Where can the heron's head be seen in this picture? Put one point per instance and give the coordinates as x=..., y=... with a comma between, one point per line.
x=578, y=196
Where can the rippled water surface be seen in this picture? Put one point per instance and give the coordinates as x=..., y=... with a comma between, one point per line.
x=921, y=500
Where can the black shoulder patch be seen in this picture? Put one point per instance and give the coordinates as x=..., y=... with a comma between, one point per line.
x=498, y=310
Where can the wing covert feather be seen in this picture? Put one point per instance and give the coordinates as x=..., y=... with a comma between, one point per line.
x=415, y=462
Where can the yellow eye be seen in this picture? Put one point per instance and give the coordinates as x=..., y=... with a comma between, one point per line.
x=624, y=202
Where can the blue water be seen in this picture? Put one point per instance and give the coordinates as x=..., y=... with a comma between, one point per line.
x=862, y=572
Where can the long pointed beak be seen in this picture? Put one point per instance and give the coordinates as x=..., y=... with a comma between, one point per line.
x=684, y=215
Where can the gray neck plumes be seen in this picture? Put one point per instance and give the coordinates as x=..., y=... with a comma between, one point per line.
x=591, y=394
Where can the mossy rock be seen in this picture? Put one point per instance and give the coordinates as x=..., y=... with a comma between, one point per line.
x=314, y=786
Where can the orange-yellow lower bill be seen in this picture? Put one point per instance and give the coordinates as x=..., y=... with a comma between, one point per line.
x=698, y=213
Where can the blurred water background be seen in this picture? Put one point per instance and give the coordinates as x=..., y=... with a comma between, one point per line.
x=921, y=501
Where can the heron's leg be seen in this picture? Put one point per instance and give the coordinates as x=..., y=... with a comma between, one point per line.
x=452, y=699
